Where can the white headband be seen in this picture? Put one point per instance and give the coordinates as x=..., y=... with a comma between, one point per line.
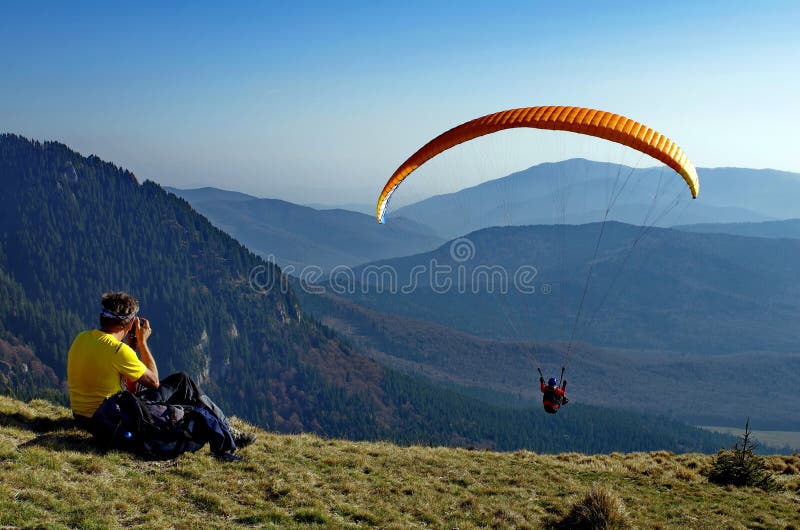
x=110, y=314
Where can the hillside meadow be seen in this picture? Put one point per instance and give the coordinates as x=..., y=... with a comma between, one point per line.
x=52, y=476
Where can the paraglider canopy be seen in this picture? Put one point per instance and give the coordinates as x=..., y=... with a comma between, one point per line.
x=581, y=120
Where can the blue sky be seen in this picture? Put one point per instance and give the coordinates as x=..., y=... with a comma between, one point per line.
x=319, y=102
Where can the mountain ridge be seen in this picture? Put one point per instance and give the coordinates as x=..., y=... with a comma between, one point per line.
x=304, y=237
x=552, y=193
x=666, y=263
x=787, y=228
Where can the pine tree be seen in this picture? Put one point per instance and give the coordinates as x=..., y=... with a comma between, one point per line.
x=741, y=466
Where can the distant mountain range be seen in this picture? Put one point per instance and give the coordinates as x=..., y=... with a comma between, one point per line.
x=576, y=191
x=580, y=191
x=790, y=228
x=73, y=227
x=299, y=236
x=367, y=209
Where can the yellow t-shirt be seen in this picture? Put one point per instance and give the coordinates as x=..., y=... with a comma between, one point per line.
x=96, y=366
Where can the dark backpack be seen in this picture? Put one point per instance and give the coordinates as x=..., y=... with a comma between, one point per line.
x=153, y=429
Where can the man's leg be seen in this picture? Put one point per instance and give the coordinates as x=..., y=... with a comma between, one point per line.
x=180, y=389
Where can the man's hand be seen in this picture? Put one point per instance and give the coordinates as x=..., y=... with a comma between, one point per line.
x=143, y=330
x=541, y=380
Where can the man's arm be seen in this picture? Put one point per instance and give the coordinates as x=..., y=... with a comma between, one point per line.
x=150, y=376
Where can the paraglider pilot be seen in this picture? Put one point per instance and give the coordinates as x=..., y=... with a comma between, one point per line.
x=553, y=395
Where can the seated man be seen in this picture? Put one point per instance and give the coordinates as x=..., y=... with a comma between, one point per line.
x=100, y=364
x=553, y=395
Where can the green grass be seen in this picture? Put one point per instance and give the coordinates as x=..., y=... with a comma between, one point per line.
x=52, y=476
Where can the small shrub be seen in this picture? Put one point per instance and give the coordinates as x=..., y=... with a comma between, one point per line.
x=601, y=509
x=685, y=474
x=740, y=466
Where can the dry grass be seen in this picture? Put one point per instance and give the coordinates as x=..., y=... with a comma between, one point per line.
x=600, y=509
x=53, y=477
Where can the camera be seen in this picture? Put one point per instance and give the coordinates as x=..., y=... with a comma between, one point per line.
x=130, y=339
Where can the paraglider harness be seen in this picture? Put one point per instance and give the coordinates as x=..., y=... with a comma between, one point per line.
x=158, y=430
x=553, y=396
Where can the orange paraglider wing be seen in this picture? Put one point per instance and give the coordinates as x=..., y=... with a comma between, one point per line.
x=575, y=119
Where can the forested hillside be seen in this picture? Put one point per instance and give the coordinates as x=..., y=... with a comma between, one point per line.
x=652, y=289
x=72, y=227
x=75, y=227
x=729, y=386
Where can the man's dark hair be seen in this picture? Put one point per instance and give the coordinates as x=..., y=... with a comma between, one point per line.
x=118, y=309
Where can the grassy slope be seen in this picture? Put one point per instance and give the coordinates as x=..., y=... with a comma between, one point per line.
x=53, y=477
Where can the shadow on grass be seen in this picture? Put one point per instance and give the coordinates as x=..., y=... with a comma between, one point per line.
x=65, y=441
x=61, y=434
x=36, y=424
